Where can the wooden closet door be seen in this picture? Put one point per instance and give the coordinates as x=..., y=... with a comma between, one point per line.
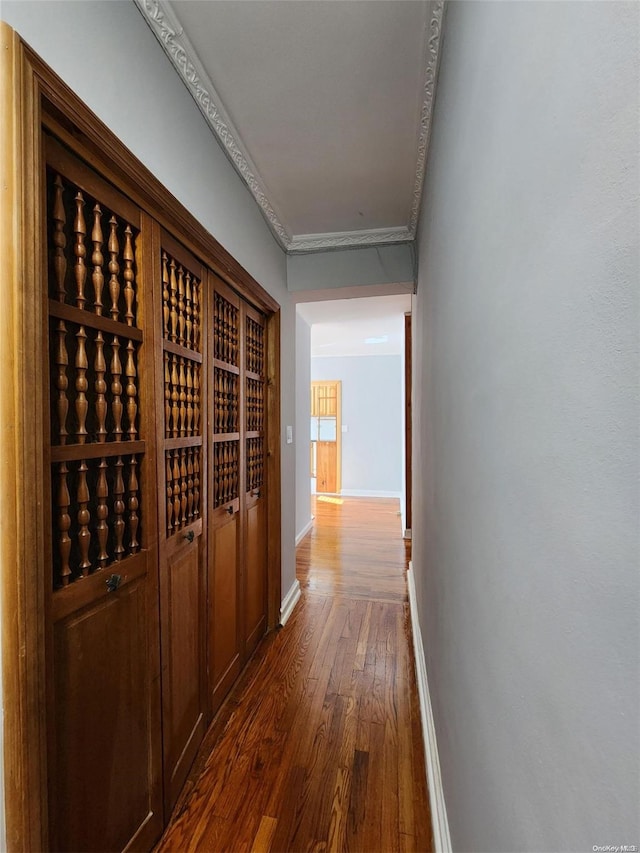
x=181, y=477
x=255, y=518
x=101, y=569
x=226, y=477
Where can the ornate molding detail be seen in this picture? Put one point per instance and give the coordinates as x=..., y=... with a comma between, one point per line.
x=171, y=35
x=348, y=239
x=169, y=32
x=434, y=38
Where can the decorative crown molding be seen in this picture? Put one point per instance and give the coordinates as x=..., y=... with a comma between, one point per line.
x=170, y=33
x=434, y=39
x=348, y=239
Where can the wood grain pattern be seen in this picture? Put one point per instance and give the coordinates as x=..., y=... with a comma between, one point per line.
x=183, y=593
x=319, y=745
x=101, y=240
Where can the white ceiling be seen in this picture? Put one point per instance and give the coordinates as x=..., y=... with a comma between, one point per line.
x=323, y=107
x=366, y=326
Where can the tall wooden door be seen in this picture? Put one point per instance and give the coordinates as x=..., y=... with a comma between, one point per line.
x=226, y=473
x=237, y=528
x=101, y=567
x=181, y=480
x=326, y=434
x=255, y=526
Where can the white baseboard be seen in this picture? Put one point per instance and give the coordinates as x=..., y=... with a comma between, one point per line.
x=303, y=532
x=368, y=493
x=441, y=837
x=289, y=601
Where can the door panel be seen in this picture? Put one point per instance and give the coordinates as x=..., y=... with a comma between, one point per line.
x=326, y=466
x=102, y=726
x=227, y=471
x=184, y=714
x=254, y=589
x=180, y=317
x=224, y=632
x=255, y=600
x=102, y=618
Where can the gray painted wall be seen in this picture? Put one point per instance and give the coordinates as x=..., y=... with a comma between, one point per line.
x=301, y=437
x=351, y=268
x=372, y=411
x=526, y=443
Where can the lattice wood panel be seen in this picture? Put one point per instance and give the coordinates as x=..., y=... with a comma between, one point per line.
x=182, y=361
x=226, y=346
x=94, y=341
x=254, y=405
x=183, y=469
x=227, y=472
x=255, y=463
x=254, y=346
x=226, y=403
x=182, y=379
x=254, y=401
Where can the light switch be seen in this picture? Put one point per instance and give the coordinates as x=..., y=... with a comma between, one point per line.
x=345, y=428
x=289, y=435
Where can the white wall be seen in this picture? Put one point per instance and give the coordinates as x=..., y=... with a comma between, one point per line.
x=372, y=398
x=525, y=533
x=303, y=411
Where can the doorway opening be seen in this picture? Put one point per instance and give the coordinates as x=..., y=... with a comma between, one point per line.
x=355, y=401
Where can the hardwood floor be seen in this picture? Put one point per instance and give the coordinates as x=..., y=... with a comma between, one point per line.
x=319, y=746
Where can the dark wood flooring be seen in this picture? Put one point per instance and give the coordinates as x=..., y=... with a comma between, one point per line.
x=319, y=747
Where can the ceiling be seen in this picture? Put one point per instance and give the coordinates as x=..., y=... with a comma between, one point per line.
x=324, y=107
x=366, y=326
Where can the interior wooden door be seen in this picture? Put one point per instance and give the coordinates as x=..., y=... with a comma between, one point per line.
x=181, y=463
x=326, y=467
x=101, y=567
x=326, y=434
x=226, y=473
x=254, y=591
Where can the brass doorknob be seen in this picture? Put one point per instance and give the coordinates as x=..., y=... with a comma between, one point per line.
x=113, y=582
x=190, y=536
x=230, y=510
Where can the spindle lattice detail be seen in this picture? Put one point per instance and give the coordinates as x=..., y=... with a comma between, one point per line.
x=87, y=385
x=226, y=332
x=72, y=238
x=181, y=397
x=97, y=518
x=181, y=323
x=93, y=354
x=226, y=472
x=254, y=405
x=255, y=463
x=254, y=347
x=182, y=469
x=181, y=292
x=226, y=402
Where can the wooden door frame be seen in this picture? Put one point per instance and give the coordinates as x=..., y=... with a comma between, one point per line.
x=408, y=427
x=33, y=96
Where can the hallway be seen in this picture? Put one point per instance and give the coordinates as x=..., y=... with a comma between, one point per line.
x=319, y=746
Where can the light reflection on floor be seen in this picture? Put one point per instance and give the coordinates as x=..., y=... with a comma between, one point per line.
x=355, y=548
